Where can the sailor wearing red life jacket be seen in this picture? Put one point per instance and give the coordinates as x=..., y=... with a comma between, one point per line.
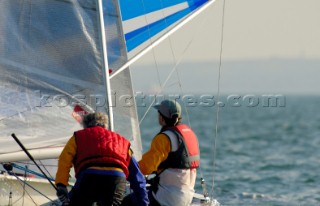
x=174, y=155
x=102, y=162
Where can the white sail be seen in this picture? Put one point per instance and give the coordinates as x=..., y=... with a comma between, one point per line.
x=50, y=60
x=56, y=55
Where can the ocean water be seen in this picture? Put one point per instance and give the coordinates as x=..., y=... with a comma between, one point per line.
x=266, y=155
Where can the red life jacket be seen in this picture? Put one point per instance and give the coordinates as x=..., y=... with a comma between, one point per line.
x=97, y=146
x=188, y=154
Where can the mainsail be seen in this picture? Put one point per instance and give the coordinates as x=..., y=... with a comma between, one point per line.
x=52, y=58
x=62, y=57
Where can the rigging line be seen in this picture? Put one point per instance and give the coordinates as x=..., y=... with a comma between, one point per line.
x=218, y=96
x=24, y=183
x=30, y=163
x=168, y=77
x=180, y=85
x=20, y=182
x=30, y=171
x=38, y=191
x=170, y=74
x=44, y=167
x=161, y=89
x=174, y=61
x=157, y=69
x=153, y=53
x=31, y=158
x=165, y=82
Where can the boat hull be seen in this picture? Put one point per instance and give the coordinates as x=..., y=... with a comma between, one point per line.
x=18, y=192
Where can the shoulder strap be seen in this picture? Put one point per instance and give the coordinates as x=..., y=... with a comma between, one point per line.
x=173, y=139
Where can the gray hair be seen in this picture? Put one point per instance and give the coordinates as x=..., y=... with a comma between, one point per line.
x=95, y=119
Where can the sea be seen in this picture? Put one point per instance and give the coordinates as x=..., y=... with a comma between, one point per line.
x=254, y=152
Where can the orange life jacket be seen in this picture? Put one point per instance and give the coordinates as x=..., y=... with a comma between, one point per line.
x=99, y=147
x=188, y=154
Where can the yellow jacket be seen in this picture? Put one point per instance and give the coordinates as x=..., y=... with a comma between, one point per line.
x=66, y=162
x=159, y=151
x=176, y=186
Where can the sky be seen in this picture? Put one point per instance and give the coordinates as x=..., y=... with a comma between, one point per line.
x=269, y=46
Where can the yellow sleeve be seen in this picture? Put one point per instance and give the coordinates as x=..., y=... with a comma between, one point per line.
x=66, y=161
x=159, y=151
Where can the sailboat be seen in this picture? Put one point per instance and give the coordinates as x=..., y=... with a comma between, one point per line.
x=60, y=59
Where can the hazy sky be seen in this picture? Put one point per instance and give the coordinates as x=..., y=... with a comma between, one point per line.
x=269, y=46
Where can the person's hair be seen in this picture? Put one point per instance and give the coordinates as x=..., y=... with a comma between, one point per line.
x=171, y=121
x=95, y=119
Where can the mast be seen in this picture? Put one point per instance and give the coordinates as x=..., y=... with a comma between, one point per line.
x=105, y=63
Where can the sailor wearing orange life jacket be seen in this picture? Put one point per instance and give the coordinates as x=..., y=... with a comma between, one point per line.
x=174, y=155
x=102, y=161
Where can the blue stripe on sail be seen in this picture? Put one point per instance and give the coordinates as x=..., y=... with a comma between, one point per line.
x=137, y=37
x=131, y=9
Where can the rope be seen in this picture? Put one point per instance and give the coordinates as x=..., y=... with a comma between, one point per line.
x=30, y=171
x=31, y=163
x=44, y=167
x=153, y=53
x=10, y=195
x=161, y=89
x=174, y=60
x=176, y=63
x=167, y=79
x=203, y=184
x=184, y=105
x=26, y=183
x=218, y=99
x=157, y=68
